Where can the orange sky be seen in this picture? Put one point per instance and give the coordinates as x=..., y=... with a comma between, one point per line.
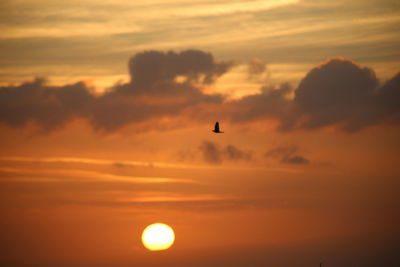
x=117, y=135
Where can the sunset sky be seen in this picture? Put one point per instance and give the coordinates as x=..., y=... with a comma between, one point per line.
x=106, y=112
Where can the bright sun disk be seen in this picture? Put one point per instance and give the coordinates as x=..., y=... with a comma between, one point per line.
x=158, y=236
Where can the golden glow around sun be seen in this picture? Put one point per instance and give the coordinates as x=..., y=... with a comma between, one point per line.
x=158, y=236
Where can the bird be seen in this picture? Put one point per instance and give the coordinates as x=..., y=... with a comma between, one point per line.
x=216, y=128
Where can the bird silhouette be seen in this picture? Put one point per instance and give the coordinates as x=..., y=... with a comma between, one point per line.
x=216, y=128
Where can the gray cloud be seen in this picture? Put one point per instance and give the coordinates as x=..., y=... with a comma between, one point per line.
x=389, y=100
x=270, y=103
x=256, y=67
x=152, y=92
x=48, y=106
x=233, y=153
x=153, y=67
x=295, y=159
x=215, y=154
x=287, y=154
x=211, y=153
x=342, y=93
x=117, y=109
x=336, y=93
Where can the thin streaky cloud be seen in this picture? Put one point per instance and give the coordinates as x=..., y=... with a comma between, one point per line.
x=231, y=8
x=82, y=175
x=155, y=164
x=146, y=164
x=170, y=198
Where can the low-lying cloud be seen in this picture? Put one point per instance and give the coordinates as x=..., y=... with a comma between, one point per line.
x=215, y=154
x=256, y=67
x=152, y=92
x=337, y=93
x=48, y=106
x=287, y=154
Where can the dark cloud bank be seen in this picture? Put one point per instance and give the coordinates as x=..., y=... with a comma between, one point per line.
x=338, y=92
x=168, y=84
x=152, y=92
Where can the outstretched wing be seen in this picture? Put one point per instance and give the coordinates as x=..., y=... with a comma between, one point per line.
x=216, y=128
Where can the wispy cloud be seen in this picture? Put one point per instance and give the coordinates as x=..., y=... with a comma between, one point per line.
x=81, y=176
x=98, y=17
x=131, y=163
x=104, y=33
x=169, y=197
x=127, y=163
x=214, y=154
x=287, y=154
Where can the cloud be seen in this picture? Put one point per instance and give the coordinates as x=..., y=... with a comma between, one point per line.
x=154, y=91
x=49, y=106
x=334, y=92
x=211, y=153
x=272, y=102
x=295, y=159
x=162, y=84
x=337, y=93
x=343, y=93
x=214, y=154
x=287, y=154
x=389, y=100
x=256, y=67
x=152, y=67
x=233, y=153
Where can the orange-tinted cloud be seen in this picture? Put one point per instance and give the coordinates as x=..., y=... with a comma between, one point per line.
x=338, y=92
x=214, y=154
x=287, y=154
x=335, y=92
x=48, y=106
x=153, y=67
x=256, y=67
x=344, y=93
x=168, y=85
x=152, y=92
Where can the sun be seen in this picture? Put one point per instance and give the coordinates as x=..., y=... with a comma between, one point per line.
x=158, y=236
